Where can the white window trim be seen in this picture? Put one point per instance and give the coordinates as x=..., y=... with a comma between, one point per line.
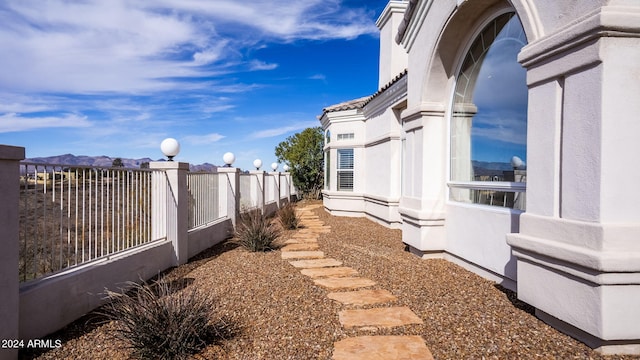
x=339, y=170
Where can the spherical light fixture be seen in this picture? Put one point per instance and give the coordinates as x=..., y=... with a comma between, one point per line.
x=516, y=163
x=257, y=163
x=285, y=167
x=170, y=148
x=228, y=159
x=274, y=166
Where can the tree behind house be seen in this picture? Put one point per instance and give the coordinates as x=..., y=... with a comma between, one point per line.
x=303, y=152
x=117, y=162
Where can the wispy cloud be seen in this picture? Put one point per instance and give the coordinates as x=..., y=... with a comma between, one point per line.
x=106, y=73
x=318, y=77
x=13, y=122
x=142, y=47
x=203, y=139
x=261, y=65
x=503, y=126
x=283, y=130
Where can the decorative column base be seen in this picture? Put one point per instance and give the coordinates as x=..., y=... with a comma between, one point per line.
x=581, y=279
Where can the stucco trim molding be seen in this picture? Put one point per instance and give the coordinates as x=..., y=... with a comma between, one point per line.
x=607, y=21
x=388, y=98
x=419, y=112
x=413, y=21
x=593, y=260
x=383, y=139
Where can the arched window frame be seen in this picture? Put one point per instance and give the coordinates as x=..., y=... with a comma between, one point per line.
x=517, y=188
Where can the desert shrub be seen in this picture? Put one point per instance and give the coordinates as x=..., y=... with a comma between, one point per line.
x=255, y=232
x=163, y=321
x=288, y=217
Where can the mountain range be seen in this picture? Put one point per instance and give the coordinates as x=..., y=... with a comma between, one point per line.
x=106, y=161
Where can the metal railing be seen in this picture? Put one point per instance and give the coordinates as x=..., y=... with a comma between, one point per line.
x=204, y=198
x=494, y=193
x=73, y=215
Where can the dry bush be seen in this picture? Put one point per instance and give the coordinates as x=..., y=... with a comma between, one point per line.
x=288, y=217
x=164, y=321
x=255, y=232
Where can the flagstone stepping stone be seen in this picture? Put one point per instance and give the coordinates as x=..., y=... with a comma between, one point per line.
x=329, y=272
x=382, y=348
x=298, y=240
x=344, y=282
x=316, y=230
x=302, y=255
x=300, y=246
x=305, y=234
x=362, y=297
x=380, y=317
x=315, y=263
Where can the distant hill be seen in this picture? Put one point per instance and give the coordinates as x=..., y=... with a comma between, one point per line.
x=490, y=168
x=106, y=161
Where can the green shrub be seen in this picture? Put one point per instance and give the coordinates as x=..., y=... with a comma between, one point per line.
x=288, y=217
x=163, y=321
x=255, y=232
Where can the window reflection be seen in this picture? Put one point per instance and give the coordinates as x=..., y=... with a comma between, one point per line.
x=489, y=117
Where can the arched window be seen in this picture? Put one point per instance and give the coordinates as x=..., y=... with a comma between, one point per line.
x=489, y=119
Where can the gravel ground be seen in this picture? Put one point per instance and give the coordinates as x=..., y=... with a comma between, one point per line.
x=277, y=313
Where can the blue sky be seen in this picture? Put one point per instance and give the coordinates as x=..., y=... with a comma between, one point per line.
x=116, y=77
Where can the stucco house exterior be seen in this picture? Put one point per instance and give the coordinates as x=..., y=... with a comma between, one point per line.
x=503, y=138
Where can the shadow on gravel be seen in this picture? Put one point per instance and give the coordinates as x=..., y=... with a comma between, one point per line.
x=513, y=298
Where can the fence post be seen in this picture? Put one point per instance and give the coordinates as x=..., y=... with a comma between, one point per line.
x=178, y=221
x=289, y=184
x=276, y=190
x=10, y=157
x=230, y=195
x=259, y=188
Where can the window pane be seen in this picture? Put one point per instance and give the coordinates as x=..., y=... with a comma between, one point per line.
x=345, y=158
x=327, y=169
x=345, y=180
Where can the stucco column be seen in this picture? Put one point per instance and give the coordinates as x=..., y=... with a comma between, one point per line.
x=423, y=199
x=178, y=207
x=578, y=249
x=276, y=190
x=229, y=192
x=257, y=188
x=10, y=157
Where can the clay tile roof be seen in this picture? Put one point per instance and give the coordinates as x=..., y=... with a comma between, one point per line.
x=363, y=101
x=347, y=105
x=386, y=86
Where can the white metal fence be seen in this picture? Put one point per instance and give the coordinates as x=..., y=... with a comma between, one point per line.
x=72, y=215
x=204, y=198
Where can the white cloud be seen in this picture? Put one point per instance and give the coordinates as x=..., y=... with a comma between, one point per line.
x=508, y=127
x=283, y=130
x=203, y=139
x=261, y=65
x=127, y=46
x=13, y=122
x=318, y=77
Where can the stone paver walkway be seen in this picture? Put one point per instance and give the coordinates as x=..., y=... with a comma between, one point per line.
x=302, y=252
